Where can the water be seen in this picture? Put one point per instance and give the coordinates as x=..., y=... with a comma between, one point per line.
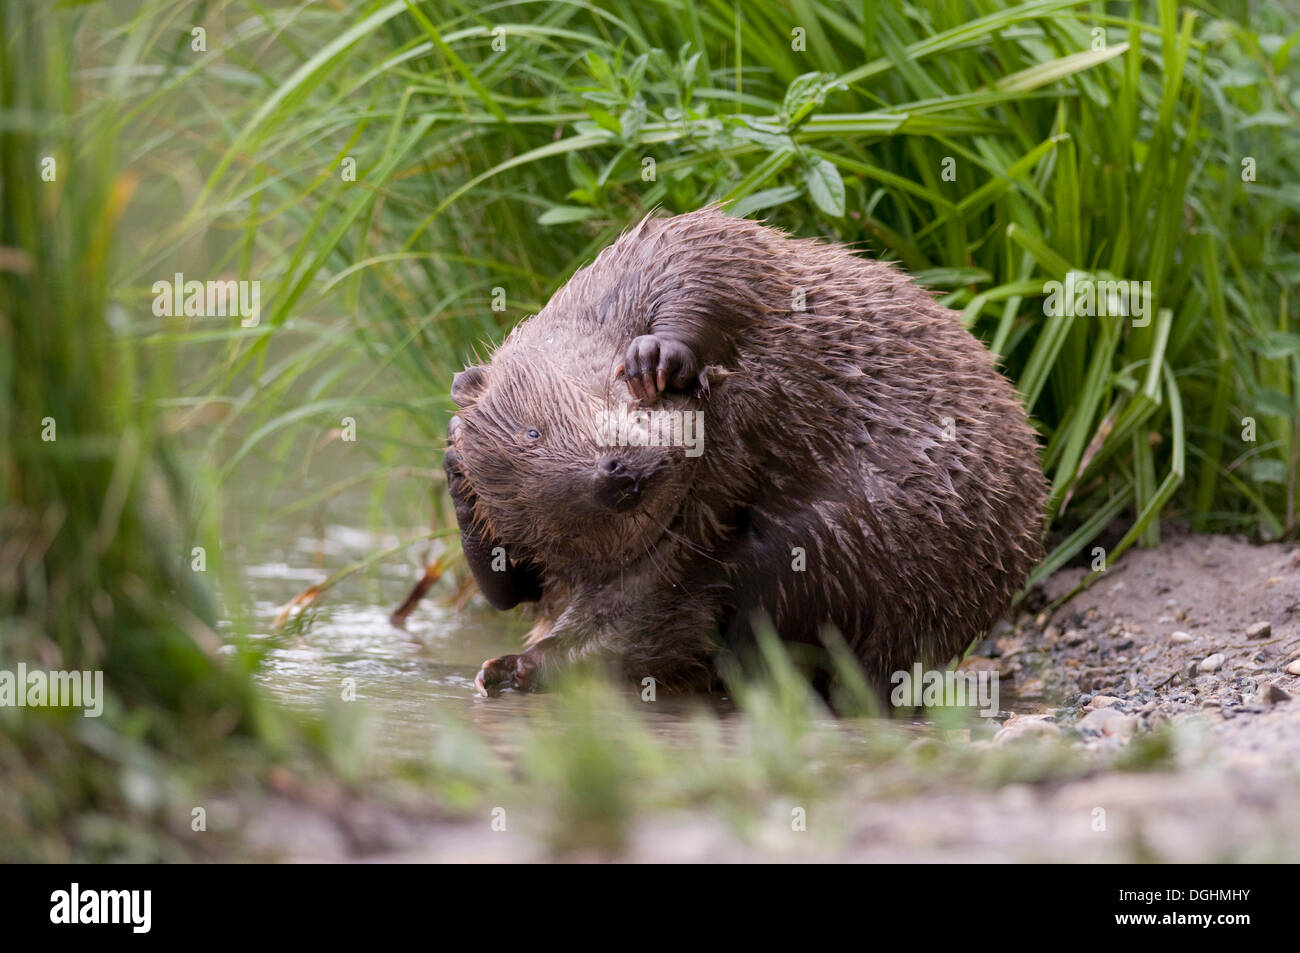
x=405, y=680
x=409, y=681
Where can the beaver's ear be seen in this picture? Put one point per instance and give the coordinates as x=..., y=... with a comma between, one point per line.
x=468, y=385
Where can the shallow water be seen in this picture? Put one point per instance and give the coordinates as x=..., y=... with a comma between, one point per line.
x=408, y=682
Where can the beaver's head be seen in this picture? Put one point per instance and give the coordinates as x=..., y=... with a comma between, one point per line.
x=562, y=474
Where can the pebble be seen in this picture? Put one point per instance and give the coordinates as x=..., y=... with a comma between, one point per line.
x=1260, y=630
x=1178, y=638
x=1026, y=726
x=1103, y=701
x=1294, y=668
x=1211, y=663
x=1108, y=722
x=1274, y=694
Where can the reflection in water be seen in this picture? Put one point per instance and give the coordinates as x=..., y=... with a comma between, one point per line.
x=407, y=682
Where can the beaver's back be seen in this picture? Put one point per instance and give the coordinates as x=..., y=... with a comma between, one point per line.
x=871, y=431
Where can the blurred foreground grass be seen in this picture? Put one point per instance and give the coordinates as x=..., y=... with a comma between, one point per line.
x=95, y=531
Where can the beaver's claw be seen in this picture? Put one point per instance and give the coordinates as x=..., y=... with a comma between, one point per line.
x=655, y=364
x=507, y=671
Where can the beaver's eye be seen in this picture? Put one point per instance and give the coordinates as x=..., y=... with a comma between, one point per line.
x=532, y=434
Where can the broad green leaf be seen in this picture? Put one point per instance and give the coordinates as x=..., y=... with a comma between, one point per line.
x=825, y=187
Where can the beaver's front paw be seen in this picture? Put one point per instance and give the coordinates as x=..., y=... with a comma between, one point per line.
x=507, y=671
x=654, y=364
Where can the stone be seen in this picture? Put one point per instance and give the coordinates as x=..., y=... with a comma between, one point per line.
x=1107, y=722
x=1103, y=701
x=1274, y=694
x=1211, y=663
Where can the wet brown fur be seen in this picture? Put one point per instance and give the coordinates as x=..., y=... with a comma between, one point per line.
x=824, y=430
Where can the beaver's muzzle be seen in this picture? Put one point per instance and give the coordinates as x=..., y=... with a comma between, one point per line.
x=618, y=484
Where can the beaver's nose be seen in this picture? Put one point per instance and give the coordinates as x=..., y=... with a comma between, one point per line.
x=618, y=483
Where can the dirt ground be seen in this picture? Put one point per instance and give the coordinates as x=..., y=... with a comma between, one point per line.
x=1197, y=642
x=1199, y=638
x=1203, y=625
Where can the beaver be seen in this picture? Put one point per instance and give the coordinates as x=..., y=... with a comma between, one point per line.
x=864, y=465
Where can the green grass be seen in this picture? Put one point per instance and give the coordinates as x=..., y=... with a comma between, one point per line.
x=1103, y=139
x=95, y=534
